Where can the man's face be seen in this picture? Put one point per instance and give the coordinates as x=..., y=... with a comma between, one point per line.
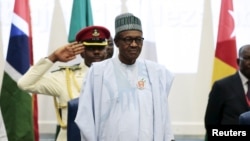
x=94, y=54
x=130, y=44
x=110, y=48
x=244, y=62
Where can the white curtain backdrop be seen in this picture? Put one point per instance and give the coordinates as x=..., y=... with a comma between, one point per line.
x=3, y=136
x=174, y=36
x=2, y=59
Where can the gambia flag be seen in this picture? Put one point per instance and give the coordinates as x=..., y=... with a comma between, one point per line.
x=226, y=51
x=19, y=108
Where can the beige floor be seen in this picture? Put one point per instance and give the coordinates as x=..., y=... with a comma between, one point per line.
x=50, y=137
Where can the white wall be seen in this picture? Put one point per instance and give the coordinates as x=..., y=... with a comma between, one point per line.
x=177, y=25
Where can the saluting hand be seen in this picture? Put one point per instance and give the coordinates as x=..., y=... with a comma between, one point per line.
x=67, y=52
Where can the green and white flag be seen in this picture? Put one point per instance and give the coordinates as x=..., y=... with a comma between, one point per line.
x=81, y=17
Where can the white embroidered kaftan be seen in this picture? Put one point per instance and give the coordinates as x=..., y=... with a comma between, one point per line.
x=125, y=102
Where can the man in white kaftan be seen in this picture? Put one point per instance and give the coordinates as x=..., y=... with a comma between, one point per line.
x=126, y=101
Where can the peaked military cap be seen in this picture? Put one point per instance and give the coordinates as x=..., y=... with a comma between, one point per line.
x=93, y=36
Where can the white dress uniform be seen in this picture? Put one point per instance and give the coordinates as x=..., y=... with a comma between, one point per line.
x=39, y=80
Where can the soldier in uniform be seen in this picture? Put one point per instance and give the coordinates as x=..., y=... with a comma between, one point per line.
x=110, y=47
x=65, y=83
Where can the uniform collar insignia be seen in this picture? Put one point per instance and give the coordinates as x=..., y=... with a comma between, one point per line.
x=73, y=68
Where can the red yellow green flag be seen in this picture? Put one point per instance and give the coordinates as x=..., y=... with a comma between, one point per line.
x=226, y=50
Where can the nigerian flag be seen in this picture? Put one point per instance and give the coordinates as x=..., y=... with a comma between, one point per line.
x=81, y=17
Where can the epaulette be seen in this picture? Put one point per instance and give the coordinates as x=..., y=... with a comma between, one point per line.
x=73, y=68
